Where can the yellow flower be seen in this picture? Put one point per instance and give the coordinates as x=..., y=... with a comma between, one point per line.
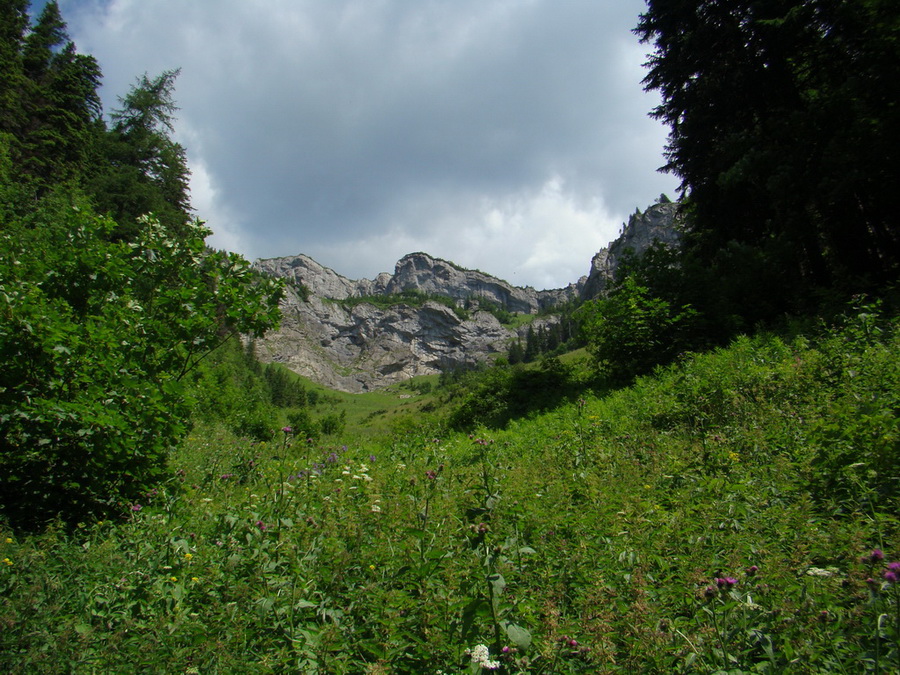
x=173, y=578
x=188, y=556
x=9, y=540
x=7, y=561
x=195, y=579
x=372, y=567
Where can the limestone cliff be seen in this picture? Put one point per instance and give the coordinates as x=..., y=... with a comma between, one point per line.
x=357, y=346
x=659, y=222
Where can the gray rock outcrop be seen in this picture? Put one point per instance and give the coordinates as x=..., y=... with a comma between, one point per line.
x=357, y=346
x=659, y=223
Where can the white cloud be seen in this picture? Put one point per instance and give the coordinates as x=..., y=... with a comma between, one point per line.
x=507, y=135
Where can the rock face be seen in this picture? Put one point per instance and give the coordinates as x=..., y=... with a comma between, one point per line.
x=356, y=346
x=659, y=222
x=417, y=272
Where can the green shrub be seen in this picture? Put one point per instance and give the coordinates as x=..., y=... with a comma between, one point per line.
x=630, y=332
x=96, y=337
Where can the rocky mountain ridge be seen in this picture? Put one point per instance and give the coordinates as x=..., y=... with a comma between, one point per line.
x=359, y=346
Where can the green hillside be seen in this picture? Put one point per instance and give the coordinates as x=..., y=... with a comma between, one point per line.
x=725, y=514
x=709, y=485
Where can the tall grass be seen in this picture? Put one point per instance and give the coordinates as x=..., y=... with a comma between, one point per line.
x=736, y=512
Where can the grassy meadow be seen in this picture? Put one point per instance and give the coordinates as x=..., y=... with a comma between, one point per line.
x=733, y=513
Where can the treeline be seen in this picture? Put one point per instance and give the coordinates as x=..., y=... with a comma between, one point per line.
x=550, y=339
x=110, y=301
x=784, y=122
x=53, y=131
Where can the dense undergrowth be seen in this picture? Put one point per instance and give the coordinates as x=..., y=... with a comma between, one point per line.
x=735, y=512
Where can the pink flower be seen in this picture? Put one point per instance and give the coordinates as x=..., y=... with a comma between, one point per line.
x=875, y=556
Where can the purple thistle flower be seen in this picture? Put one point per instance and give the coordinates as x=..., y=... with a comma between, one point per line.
x=371, y=459
x=726, y=582
x=752, y=570
x=894, y=566
x=287, y=430
x=890, y=576
x=261, y=525
x=709, y=592
x=136, y=507
x=875, y=556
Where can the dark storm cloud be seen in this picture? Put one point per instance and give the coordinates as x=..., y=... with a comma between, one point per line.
x=508, y=136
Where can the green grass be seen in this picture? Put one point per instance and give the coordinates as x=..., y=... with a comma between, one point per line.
x=717, y=517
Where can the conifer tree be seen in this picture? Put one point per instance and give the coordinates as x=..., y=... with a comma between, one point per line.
x=143, y=169
x=784, y=122
x=48, y=101
x=13, y=24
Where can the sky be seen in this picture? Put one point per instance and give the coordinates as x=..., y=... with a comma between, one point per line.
x=510, y=136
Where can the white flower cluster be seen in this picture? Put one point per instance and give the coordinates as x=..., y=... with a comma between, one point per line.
x=482, y=656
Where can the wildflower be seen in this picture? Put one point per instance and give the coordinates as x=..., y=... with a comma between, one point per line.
x=372, y=567
x=173, y=579
x=287, y=430
x=822, y=572
x=371, y=459
x=875, y=556
x=136, y=507
x=261, y=525
x=893, y=567
x=709, y=592
x=188, y=556
x=7, y=561
x=726, y=582
x=752, y=570
x=9, y=539
x=195, y=579
x=890, y=576
x=376, y=508
x=431, y=474
x=482, y=656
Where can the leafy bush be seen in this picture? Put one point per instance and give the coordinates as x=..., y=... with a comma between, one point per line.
x=497, y=395
x=95, y=339
x=630, y=331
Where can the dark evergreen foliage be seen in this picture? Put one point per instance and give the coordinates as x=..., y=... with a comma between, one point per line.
x=48, y=98
x=784, y=125
x=141, y=169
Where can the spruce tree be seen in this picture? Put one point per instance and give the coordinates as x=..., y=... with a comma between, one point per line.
x=143, y=169
x=784, y=121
